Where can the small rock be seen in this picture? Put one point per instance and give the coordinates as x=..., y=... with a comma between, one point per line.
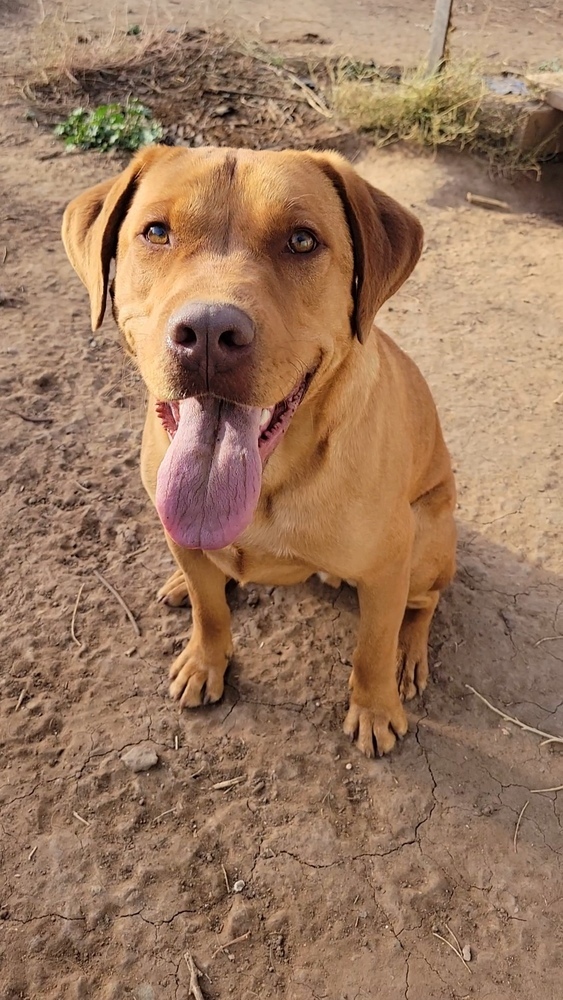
x=466, y=953
x=240, y=920
x=348, y=767
x=239, y=885
x=140, y=759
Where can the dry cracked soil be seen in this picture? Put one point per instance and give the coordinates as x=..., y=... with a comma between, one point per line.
x=348, y=869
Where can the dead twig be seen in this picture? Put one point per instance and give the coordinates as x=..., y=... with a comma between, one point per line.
x=81, y=819
x=229, y=944
x=226, y=877
x=193, y=988
x=310, y=97
x=453, y=947
x=228, y=783
x=456, y=939
x=28, y=420
x=20, y=699
x=549, y=738
x=119, y=600
x=136, y=552
x=166, y=812
x=556, y=788
x=549, y=638
x=518, y=822
x=73, y=619
x=494, y=203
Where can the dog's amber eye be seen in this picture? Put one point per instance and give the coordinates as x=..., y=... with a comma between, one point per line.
x=157, y=233
x=302, y=241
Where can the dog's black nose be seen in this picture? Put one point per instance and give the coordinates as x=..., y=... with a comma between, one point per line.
x=210, y=337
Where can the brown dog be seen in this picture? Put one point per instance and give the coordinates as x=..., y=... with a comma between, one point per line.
x=284, y=436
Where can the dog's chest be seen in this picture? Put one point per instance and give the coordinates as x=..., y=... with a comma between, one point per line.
x=268, y=552
x=251, y=564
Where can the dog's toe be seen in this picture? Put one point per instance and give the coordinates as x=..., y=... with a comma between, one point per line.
x=174, y=592
x=197, y=676
x=376, y=728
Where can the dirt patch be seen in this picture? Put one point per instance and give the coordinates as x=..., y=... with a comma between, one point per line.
x=203, y=88
x=349, y=867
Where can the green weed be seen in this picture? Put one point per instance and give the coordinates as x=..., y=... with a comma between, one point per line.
x=110, y=126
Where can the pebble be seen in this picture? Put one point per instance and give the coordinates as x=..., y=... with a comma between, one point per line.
x=140, y=759
x=239, y=885
x=467, y=956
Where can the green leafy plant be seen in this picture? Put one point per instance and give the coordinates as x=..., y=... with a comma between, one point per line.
x=110, y=126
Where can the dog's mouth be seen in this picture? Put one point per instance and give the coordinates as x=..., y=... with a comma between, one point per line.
x=209, y=482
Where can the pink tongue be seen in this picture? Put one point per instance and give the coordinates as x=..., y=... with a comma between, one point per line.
x=209, y=481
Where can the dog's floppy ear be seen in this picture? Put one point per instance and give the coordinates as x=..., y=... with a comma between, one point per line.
x=91, y=226
x=386, y=240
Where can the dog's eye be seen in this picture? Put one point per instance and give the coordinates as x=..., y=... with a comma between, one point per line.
x=302, y=241
x=157, y=233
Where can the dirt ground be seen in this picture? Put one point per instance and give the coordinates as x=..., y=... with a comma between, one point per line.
x=350, y=867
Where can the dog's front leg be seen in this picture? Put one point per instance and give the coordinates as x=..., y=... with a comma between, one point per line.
x=375, y=706
x=197, y=674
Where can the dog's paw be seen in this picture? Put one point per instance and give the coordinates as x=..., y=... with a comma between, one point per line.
x=174, y=592
x=197, y=675
x=376, y=726
x=412, y=668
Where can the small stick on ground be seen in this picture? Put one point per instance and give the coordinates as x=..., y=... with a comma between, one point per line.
x=32, y=853
x=494, y=203
x=28, y=420
x=226, y=877
x=137, y=552
x=193, y=988
x=119, y=600
x=229, y=944
x=73, y=620
x=166, y=812
x=453, y=947
x=20, y=699
x=81, y=818
x=556, y=788
x=549, y=638
x=228, y=783
x=516, y=722
x=456, y=939
x=197, y=774
x=518, y=821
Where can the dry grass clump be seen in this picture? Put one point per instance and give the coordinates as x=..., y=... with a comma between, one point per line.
x=453, y=108
x=429, y=110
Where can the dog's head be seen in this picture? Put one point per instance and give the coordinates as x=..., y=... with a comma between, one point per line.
x=242, y=281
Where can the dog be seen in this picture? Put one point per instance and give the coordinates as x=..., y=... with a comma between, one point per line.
x=285, y=435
